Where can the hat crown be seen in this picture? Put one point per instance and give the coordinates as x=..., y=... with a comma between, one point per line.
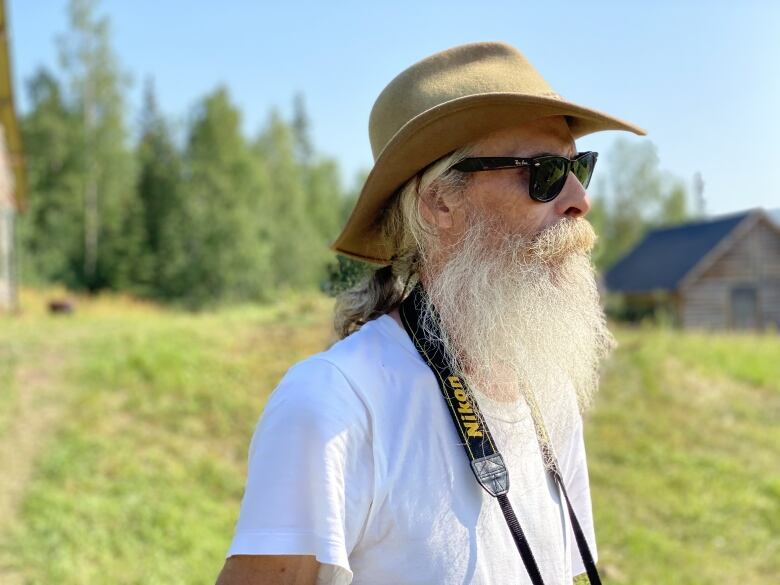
x=466, y=70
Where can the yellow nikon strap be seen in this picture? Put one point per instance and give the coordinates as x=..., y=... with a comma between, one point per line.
x=486, y=462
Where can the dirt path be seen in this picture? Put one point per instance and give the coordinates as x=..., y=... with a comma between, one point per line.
x=36, y=413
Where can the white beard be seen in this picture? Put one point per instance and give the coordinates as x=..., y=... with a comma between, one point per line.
x=521, y=319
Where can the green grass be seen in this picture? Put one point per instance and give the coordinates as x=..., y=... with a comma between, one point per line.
x=683, y=446
x=142, y=480
x=8, y=386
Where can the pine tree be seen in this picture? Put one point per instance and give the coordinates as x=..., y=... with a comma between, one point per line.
x=224, y=220
x=298, y=254
x=163, y=259
x=319, y=176
x=51, y=229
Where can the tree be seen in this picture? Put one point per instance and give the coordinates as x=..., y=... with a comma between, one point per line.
x=632, y=196
x=298, y=249
x=304, y=151
x=225, y=216
x=675, y=207
x=344, y=272
x=95, y=84
x=213, y=220
x=51, y=230
x=162, y=259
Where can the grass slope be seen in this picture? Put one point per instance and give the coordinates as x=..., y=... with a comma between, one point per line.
x=142, y=478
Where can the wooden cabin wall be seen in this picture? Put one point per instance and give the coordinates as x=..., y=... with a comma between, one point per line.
x=752, y=261
x=7, y=217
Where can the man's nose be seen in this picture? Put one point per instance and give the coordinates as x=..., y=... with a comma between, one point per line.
x=573, y=199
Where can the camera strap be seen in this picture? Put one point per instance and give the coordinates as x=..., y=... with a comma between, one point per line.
x=486, y=461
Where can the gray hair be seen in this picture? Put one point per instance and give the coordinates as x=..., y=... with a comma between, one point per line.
x=406, y=232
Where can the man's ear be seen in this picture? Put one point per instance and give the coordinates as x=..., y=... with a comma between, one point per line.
x=435, y=210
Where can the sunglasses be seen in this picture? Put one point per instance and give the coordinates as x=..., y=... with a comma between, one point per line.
x=548, y=173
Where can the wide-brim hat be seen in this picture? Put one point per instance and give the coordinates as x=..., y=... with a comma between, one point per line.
x=440, y=104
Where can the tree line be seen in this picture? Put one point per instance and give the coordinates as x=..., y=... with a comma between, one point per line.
x=214, y=216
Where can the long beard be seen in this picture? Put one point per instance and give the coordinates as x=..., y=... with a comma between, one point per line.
x=520, y=319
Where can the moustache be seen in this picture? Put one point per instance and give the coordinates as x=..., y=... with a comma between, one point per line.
x=561, y=239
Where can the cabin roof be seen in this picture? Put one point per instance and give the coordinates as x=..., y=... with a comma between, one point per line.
x=666, y=255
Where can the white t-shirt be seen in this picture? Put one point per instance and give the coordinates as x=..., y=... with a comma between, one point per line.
x=356, y=460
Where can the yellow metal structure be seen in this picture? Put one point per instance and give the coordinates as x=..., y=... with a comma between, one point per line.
x=8, y=119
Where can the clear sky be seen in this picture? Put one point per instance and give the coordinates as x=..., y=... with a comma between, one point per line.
x=703, y=77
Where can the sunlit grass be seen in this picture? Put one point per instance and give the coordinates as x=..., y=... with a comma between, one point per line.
x=142, y=481
x=683, y=450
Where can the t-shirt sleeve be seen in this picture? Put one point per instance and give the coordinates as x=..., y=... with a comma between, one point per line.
x=574, y=468
x=310, y=469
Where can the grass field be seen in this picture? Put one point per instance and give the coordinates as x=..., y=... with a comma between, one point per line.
x=124, y=431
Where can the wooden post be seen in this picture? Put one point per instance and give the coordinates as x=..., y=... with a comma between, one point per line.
x=7, y=235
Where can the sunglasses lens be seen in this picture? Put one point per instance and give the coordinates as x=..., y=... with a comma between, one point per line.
x=583, y=168
x=549, y=178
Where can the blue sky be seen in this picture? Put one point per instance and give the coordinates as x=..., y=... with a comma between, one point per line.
x=703, y=77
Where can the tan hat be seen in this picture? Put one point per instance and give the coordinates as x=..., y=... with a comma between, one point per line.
x=443, y=103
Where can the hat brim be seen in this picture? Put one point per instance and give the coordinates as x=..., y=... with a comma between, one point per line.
x=439, y=131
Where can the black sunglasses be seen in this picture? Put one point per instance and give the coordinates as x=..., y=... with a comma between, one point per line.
x=548, y=172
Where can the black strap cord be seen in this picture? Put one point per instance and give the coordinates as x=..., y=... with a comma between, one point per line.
x=486, y=461
x=522, y=543
x=582, y=544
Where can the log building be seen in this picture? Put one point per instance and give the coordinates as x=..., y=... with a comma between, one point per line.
x=722, y=273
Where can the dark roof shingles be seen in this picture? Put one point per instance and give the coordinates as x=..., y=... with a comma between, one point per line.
x=666, y=255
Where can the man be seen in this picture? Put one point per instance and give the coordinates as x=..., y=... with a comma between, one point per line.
x=357, y=473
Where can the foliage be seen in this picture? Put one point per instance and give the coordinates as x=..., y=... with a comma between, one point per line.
x=219, y=218
x=95, y=85
x=344, y=274
x=224, y=213
x=157, y=270
x=632, y=197
x=51, y=230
